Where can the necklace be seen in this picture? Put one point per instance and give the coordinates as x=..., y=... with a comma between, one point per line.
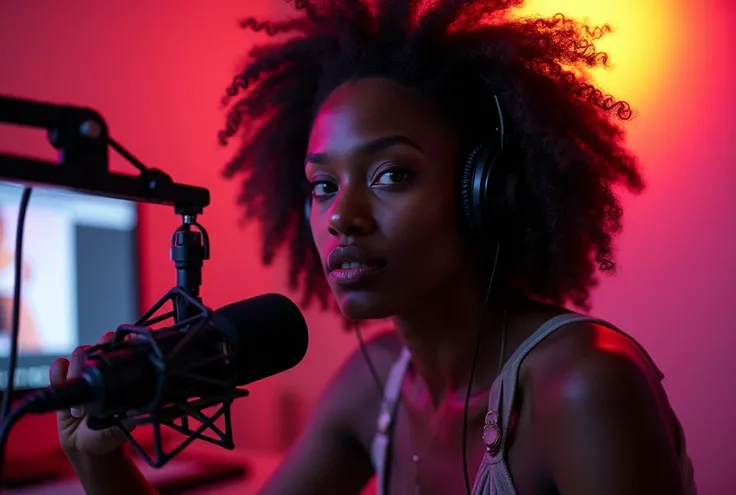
x=491, y=429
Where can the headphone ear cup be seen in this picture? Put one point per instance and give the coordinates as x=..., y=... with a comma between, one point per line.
x=477, y=191
x=487, y=194
x=468, y=210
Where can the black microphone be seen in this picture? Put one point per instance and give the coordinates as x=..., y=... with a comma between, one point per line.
x=245, y=341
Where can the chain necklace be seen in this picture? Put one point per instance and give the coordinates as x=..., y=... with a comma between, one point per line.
x=491, y=428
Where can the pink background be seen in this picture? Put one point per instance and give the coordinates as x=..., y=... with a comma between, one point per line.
x=156, y=71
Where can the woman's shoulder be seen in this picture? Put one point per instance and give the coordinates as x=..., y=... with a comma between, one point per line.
x=595, y=395
x=588, y=363
x=590, y=345
x=355, y=392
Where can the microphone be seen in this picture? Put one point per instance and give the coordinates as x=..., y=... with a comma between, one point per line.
x=244, y=342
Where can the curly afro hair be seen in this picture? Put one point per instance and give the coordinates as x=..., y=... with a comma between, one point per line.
x=568, y=134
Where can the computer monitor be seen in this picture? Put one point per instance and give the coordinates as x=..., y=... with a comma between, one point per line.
x=80, y=276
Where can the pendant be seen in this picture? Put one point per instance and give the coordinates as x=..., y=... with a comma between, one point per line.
x=417, y=485
x=492, y=433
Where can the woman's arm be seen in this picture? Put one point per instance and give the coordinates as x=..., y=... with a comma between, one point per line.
x=604, y=422
x=329, y=457
x=323, y=460
x=113, y=474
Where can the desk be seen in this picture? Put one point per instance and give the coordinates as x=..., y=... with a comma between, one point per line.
x=259, y=465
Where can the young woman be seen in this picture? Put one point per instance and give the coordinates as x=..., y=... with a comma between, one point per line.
x=461, y=170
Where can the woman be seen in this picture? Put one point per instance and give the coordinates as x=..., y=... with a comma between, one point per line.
x=381, y=109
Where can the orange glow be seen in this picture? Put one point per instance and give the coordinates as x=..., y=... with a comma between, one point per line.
x=640, y=46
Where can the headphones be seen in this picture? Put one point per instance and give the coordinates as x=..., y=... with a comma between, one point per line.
x=487, y=185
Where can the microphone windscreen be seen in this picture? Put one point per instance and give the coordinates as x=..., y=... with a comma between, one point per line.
x=268, y=333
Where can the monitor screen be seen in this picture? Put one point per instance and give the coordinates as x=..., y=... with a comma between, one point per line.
x=79, y=276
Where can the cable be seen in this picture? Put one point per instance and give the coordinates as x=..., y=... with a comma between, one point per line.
x=126, y=154
x=6, y=425
x=472, y=369
x=369, y=361
x=379, y=383
x=10, y=418
x=15, y=330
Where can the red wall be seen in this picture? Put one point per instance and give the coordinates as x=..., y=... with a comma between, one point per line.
x=157, y=73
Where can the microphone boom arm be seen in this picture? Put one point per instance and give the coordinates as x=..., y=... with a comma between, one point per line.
x=82, y=138
x=81, y=135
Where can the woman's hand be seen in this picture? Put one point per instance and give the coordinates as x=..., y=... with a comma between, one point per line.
x=74, y=434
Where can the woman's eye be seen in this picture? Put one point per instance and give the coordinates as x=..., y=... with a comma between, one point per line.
x=322, y=188
x=391, y=177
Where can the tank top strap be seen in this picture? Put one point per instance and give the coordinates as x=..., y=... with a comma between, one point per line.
x=493, y=476
x=503, y=391
x=381, y=447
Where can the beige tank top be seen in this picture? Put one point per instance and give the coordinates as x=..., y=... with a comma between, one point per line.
x=493, y=477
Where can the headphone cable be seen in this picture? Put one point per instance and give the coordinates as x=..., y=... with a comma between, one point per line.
x=380, y=386
x=472, y=368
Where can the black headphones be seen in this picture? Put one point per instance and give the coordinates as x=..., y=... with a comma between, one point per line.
x=487, y=186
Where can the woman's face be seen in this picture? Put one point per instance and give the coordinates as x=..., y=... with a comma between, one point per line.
x=383, y=167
